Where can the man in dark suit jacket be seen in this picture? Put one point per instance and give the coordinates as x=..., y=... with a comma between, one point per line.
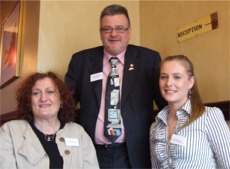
x=139, y=72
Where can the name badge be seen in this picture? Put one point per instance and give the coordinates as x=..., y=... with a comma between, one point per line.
x=71, y=142
x=96, y=76
x=179, y=140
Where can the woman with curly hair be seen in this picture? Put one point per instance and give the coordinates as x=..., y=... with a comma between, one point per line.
x=45, y=136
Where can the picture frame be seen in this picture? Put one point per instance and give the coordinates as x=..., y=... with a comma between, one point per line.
x=10, y=49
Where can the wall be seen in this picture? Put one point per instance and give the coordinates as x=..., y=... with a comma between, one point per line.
x=209, y=52
x=54, y=30
x=76, y=28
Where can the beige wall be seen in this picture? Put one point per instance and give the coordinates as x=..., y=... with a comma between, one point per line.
x=67, y=27
x=54, y=30
x=209, y=52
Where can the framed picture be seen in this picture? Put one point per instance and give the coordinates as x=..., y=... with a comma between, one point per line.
x=10, y=46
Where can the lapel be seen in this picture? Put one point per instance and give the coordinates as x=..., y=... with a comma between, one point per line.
x=131, y=67
x=31, y=148
x=96, y=66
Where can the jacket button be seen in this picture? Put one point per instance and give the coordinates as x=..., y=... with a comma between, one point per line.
x=61, y=139
x=67, y=152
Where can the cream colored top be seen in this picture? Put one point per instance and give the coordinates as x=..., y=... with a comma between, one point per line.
x=20, y=147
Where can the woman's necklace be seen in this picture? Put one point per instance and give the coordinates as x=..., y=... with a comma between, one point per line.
x=50, y=137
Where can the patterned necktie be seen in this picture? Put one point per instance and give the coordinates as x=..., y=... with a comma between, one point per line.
x=112, y=123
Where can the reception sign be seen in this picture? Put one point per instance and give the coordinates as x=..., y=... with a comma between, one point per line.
x=198, y=27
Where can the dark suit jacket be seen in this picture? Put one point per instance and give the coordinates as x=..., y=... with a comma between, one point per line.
x=139, y=89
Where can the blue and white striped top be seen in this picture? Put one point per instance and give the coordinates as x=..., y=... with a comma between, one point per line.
x=207, y=141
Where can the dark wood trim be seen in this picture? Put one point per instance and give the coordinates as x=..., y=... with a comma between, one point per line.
x=13, y=115
x=223, y=105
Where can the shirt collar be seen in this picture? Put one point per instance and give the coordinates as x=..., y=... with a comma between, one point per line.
x=181, y=114
x=120, y=56
x=187, y=107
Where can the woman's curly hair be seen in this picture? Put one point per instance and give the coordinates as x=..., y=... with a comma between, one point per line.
x=24, y=93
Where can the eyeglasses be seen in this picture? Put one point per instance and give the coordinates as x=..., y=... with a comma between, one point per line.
x=118, y=29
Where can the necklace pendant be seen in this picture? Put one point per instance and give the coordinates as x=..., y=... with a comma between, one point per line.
x=49, y=137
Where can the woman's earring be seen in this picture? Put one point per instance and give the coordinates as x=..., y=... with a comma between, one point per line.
x=189, y=93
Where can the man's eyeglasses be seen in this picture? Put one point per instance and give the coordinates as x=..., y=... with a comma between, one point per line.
x=118, y=29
